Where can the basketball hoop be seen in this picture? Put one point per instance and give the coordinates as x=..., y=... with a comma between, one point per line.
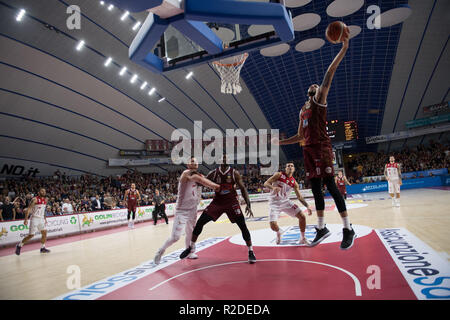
x=230, y=70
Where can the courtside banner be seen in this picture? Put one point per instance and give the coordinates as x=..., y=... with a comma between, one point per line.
x=15, y=231
x=426, y=272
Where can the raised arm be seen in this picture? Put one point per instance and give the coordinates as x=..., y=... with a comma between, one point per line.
x=322, y=93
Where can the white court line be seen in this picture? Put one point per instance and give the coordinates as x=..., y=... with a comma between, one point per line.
x=354, y=278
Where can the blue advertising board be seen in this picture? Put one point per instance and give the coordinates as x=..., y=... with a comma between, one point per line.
x=407, y=184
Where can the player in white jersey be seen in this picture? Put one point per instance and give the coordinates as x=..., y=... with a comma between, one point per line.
x=393, y=176
x=188, y=198
x=281, y=184
x=36, y=211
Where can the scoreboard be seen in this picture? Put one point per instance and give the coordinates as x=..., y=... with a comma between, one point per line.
x=342, y=131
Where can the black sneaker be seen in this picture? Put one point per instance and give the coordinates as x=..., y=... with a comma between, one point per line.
x=185, y=253
x=321, y=234
x=347, y=238
x=18, y=249
x=251, y=257
x=44, y=250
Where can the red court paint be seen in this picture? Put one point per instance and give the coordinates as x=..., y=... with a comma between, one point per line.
x=218, y=275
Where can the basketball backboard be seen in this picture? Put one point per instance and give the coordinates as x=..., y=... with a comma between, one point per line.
x=179, y=33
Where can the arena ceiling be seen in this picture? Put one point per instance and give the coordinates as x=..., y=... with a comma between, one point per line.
x=62, y=108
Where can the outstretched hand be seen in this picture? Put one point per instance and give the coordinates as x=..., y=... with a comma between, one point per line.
x=248, y=212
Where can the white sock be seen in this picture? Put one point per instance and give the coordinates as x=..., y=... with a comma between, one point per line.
x=346, y=223
x=42, y=245
x=250, y=248
x=302, y=235
x=192, y=245
x=320, y=222
x=21, y=244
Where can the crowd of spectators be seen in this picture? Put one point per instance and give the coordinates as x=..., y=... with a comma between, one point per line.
x=92, y=193
x=435, y=155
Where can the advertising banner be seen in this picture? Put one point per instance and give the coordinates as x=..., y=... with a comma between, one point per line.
x=383, y=185
x=15, y=231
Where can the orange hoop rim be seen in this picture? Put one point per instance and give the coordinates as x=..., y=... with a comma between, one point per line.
x=245, y=56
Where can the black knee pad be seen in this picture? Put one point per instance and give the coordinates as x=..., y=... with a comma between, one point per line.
x=316, y=187
x=336, y=194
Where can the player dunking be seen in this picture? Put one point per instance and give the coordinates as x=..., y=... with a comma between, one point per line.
x=189, y=195
x=341, y=181
x=393, y=176
x=225, y=200
x=317, y=151
x=281, y=184
x=36, y=212
x=132, y=197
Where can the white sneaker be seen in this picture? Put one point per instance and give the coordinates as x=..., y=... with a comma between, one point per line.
x=305, y=242
x=132, y=225
x=393, y=202
x=129, y=224
x=397, y=203
x=192, y=256
x=158, y=255
x=278, y=237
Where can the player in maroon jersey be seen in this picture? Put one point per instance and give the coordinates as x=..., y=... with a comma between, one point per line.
x=318, y=154
x=341, y=181
x=225, y=200
x=132, y=197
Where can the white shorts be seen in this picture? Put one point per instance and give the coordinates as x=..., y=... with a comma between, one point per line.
x=287, y=207
x=37, y=224
x=394, y=186
x=184, y=222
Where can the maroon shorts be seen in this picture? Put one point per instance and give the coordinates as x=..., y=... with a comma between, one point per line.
x=217, y=208
x=318, y=161
x=132, y=207
x=342, y=190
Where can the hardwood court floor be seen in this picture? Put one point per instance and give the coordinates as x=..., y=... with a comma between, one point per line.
x=424, y=212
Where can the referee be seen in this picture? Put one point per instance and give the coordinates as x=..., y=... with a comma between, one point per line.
x=160, y=207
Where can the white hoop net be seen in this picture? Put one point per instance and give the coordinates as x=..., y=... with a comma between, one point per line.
x=230, y=70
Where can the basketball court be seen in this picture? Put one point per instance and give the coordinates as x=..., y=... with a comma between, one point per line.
x=126, y=269
x=110, y=89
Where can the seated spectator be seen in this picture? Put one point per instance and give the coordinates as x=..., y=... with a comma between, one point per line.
x=7, y=210
x=108, y=202
x=67, y=207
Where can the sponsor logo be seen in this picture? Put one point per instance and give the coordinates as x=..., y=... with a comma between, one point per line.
x=3, y=233
x=20, y=227
x=86, y=221
x=426, y=272
x=73, y=220
x=140, y=213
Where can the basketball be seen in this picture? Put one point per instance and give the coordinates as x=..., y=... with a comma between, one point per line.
x=336, y=32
